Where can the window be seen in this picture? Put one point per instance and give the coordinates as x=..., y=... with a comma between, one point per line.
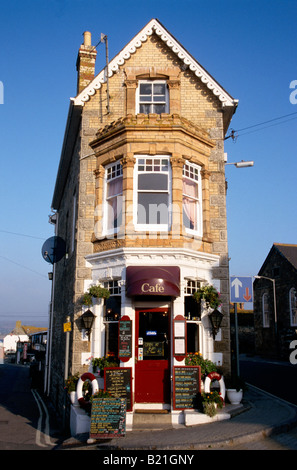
x=265, y=311
x=152, y=193
x=113, y=199
x=152, y=97
x=112, y=315
x=293, y=306
x=192, y=309
x=192, y=216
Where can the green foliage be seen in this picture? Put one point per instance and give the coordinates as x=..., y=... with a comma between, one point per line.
x=71, y=382
x=211, y=402
x=94, y=291
x=102, y=362
x=196, y=359
x=100, y=394
x=210, y=295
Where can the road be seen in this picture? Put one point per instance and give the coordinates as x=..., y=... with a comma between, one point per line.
x=276, y=377
x=25, y=422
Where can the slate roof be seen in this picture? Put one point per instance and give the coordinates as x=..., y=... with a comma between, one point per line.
x=288, y=251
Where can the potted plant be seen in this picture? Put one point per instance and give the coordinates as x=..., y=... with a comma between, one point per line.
x=99, y=363
x=196, y=359
x=210, y=295
x=235, y=387
x=100, y=394
x=70, y=386
x=94, y=291
x=211, y=402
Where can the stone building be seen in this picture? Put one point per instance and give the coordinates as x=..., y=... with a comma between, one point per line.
x=275, y=302
x=140, y=201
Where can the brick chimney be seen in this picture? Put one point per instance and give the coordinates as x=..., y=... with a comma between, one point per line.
x=85, y=64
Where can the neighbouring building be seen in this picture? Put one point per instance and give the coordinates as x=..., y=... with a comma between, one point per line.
x=18, y=333
x=275, y=302
x=140, y=202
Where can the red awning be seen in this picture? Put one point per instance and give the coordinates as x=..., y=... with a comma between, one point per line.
x=153, y=280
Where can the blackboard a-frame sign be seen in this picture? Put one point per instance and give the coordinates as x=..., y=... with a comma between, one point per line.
x=186, y=386
x=108, y=418
x=118, y=382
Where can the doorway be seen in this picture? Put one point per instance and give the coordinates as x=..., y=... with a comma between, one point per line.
x=152, y=351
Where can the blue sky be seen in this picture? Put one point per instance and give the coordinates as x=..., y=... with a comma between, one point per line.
x=248, y=46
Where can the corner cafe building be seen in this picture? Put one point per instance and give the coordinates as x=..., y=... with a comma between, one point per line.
x=150, y=320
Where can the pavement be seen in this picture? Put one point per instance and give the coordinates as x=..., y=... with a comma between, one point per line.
x=261, y=415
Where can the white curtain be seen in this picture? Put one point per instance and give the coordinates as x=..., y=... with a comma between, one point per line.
x=190, y=190
x=114, y=199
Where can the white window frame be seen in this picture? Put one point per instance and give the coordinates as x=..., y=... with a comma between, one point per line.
x=265, y=310
x=293, y=306
x=151, y=227
x=152, y=82
x=118, y=170
x=192, y=172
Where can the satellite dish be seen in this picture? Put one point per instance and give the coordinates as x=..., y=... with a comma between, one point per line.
x=53, y=249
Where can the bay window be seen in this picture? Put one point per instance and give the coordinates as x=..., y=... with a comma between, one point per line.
x=113, y=198
x=192, y=207
x=152, y=195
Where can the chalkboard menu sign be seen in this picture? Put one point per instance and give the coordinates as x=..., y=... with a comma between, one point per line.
x=186, y=386
x=118, y=382
x=108, y=418
x=125, y=338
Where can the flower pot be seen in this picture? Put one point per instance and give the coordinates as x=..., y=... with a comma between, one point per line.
x=234, y=396
x=73, y=398
x=210, y=409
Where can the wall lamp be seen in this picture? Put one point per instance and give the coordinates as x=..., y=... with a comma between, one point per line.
x=87, y=320
x=216, y=318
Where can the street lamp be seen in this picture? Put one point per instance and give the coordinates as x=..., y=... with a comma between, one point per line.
x=242, y=164
x=274, y=303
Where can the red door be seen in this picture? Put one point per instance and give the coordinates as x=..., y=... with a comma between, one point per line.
x=152, y=350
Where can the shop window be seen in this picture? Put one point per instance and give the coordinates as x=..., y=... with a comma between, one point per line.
x=293, y=306
x=113, y=197
x=192, y=207
x=152, y=195
x=152, y=97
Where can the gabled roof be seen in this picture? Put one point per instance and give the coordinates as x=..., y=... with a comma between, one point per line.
x=286, y=250
x=154, y=26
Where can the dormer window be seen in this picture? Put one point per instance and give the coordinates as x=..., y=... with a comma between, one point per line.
x=152, y=97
